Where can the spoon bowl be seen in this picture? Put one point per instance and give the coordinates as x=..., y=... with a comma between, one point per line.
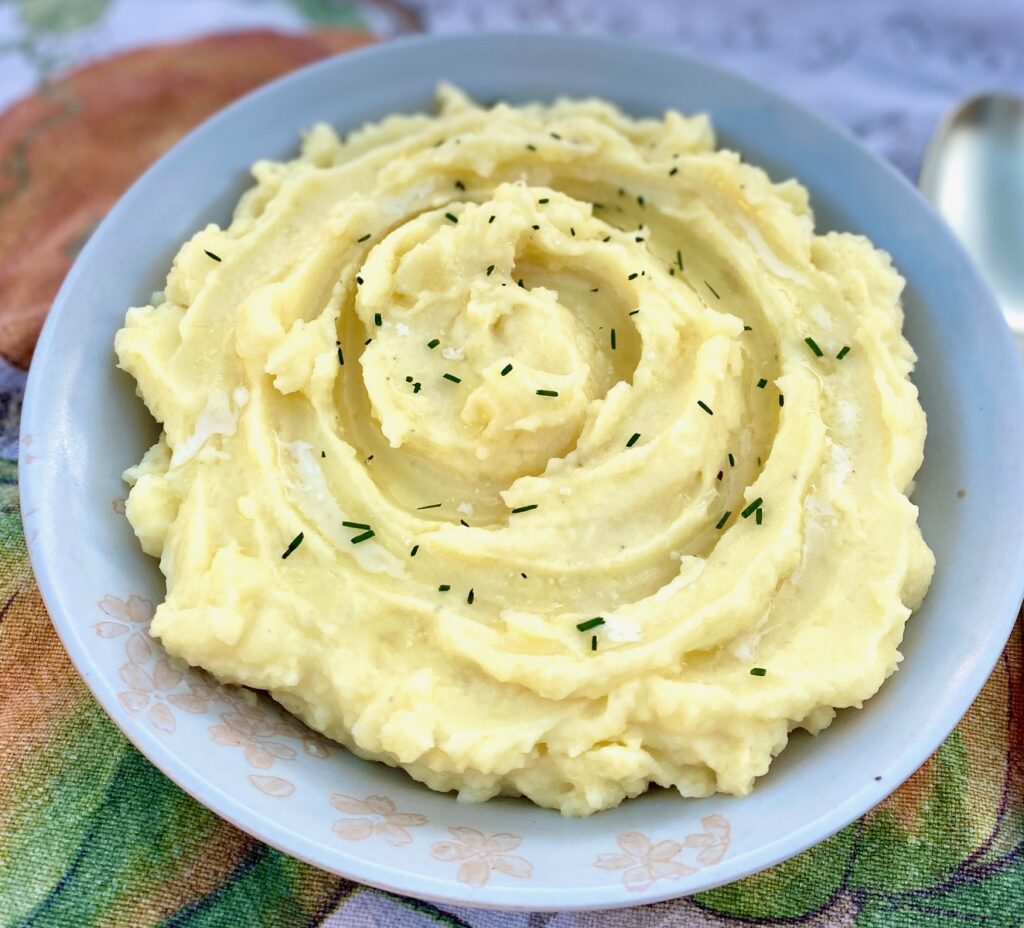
x=973, y=172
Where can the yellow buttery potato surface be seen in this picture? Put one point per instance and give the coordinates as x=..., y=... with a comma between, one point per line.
x=555, y=361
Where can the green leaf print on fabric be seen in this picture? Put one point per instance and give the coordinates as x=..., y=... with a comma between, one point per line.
x=60, y=15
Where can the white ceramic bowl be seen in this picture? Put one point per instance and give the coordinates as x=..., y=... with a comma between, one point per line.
x=82, y=425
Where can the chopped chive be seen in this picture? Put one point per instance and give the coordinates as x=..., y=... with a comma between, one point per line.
x=572, y=231
x=813, y=345
x=433, y=343
x=638, y=238
x=470, y=597
x=762, y=383
x=732, y=460
x=705, y=407
x=712, y=289
x=590, y=623
x=416, y=387
x=607, y=238
x=673, y=172
x=725, y=518
x=359, y=280
x=507, y=369
x=748, y=328
x=544, y=200
x=367, y=342
x=679, y=259
x=844, y=351
x=415, y=548
x=595, y=289
x=719, y=475
x=519, y=283
x=408, y=378
x=378, y=319
x=490, y=219
x=530, y=147
x=364, y=238
x=535, y=228
x=451, y=217
x=525, y=508
x=364, y=537
x=452, y=378
x=613, y=339
x=752, y=508
x=782, y=400
x=640, y=200
x=759, y=516
x=210, y=254
x=634, y=312
x=555, y=135
x=757, y=671
x=463, y=523
x=460, y=185
x=431, y=506
x=547, y=393
x=323, y=454
x=341, y=358
x=633, y=276
x=521, y=574
x=593, y=642
x=490, y=269
x=634, y=438
x=293, y=544
x=355, y=525
x=671, y=272
x=444, y=588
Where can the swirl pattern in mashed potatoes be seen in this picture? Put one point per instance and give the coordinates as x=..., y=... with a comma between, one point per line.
x=597, y=451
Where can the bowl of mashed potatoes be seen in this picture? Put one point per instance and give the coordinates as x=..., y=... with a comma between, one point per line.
x=534, y=451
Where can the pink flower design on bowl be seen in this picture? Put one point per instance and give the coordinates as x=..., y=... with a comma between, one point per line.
x=480, y=854
x=376, y=816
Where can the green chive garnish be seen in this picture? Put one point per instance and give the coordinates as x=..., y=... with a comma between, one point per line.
x=757, y=671
x=519, y=283
x=813, y=345
x=525, y=508
x=762, y=383
x=365, y=536
x=590, y=623
x=572, y=231
x=451, y=217
x=531, y=147
x=378, y=319
x=444, y=588
x=295, y=542
x=634, y=312
x=555, y=135
x=535, y=228
x=341, y=358
x=712, y=289
x=433, y=343
x=506, y=370
x=732, y=460
x=724, y=519
x=470, y=597
x=673, y=172
x=782, y=400
x=544, y=200
x=844, y=351
x=634, y=438
x=359, y=280
x=210, y=254
x=705, y=407
x=490, y=219
x=355, y=525
x=632, y=276
x=452, y=378
x=593, y=642
x=613, y=339
x=416, y=387
x=460, y=185
x=431, y=506
x=640, y=200
x=679, y=259
x=415, y=548
x=758, y=516
x=752, y=507
x=365, y=238
x=490, y=269
x=547, y=393
x=748, y=328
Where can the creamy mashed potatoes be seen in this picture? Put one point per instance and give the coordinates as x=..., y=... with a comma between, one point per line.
x=536, y=450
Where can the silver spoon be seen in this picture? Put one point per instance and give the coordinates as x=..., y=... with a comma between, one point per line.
x=973, y=172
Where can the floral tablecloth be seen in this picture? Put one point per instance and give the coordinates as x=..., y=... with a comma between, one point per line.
x=93, y=90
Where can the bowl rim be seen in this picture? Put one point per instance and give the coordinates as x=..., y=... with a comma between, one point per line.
x=405, y=881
